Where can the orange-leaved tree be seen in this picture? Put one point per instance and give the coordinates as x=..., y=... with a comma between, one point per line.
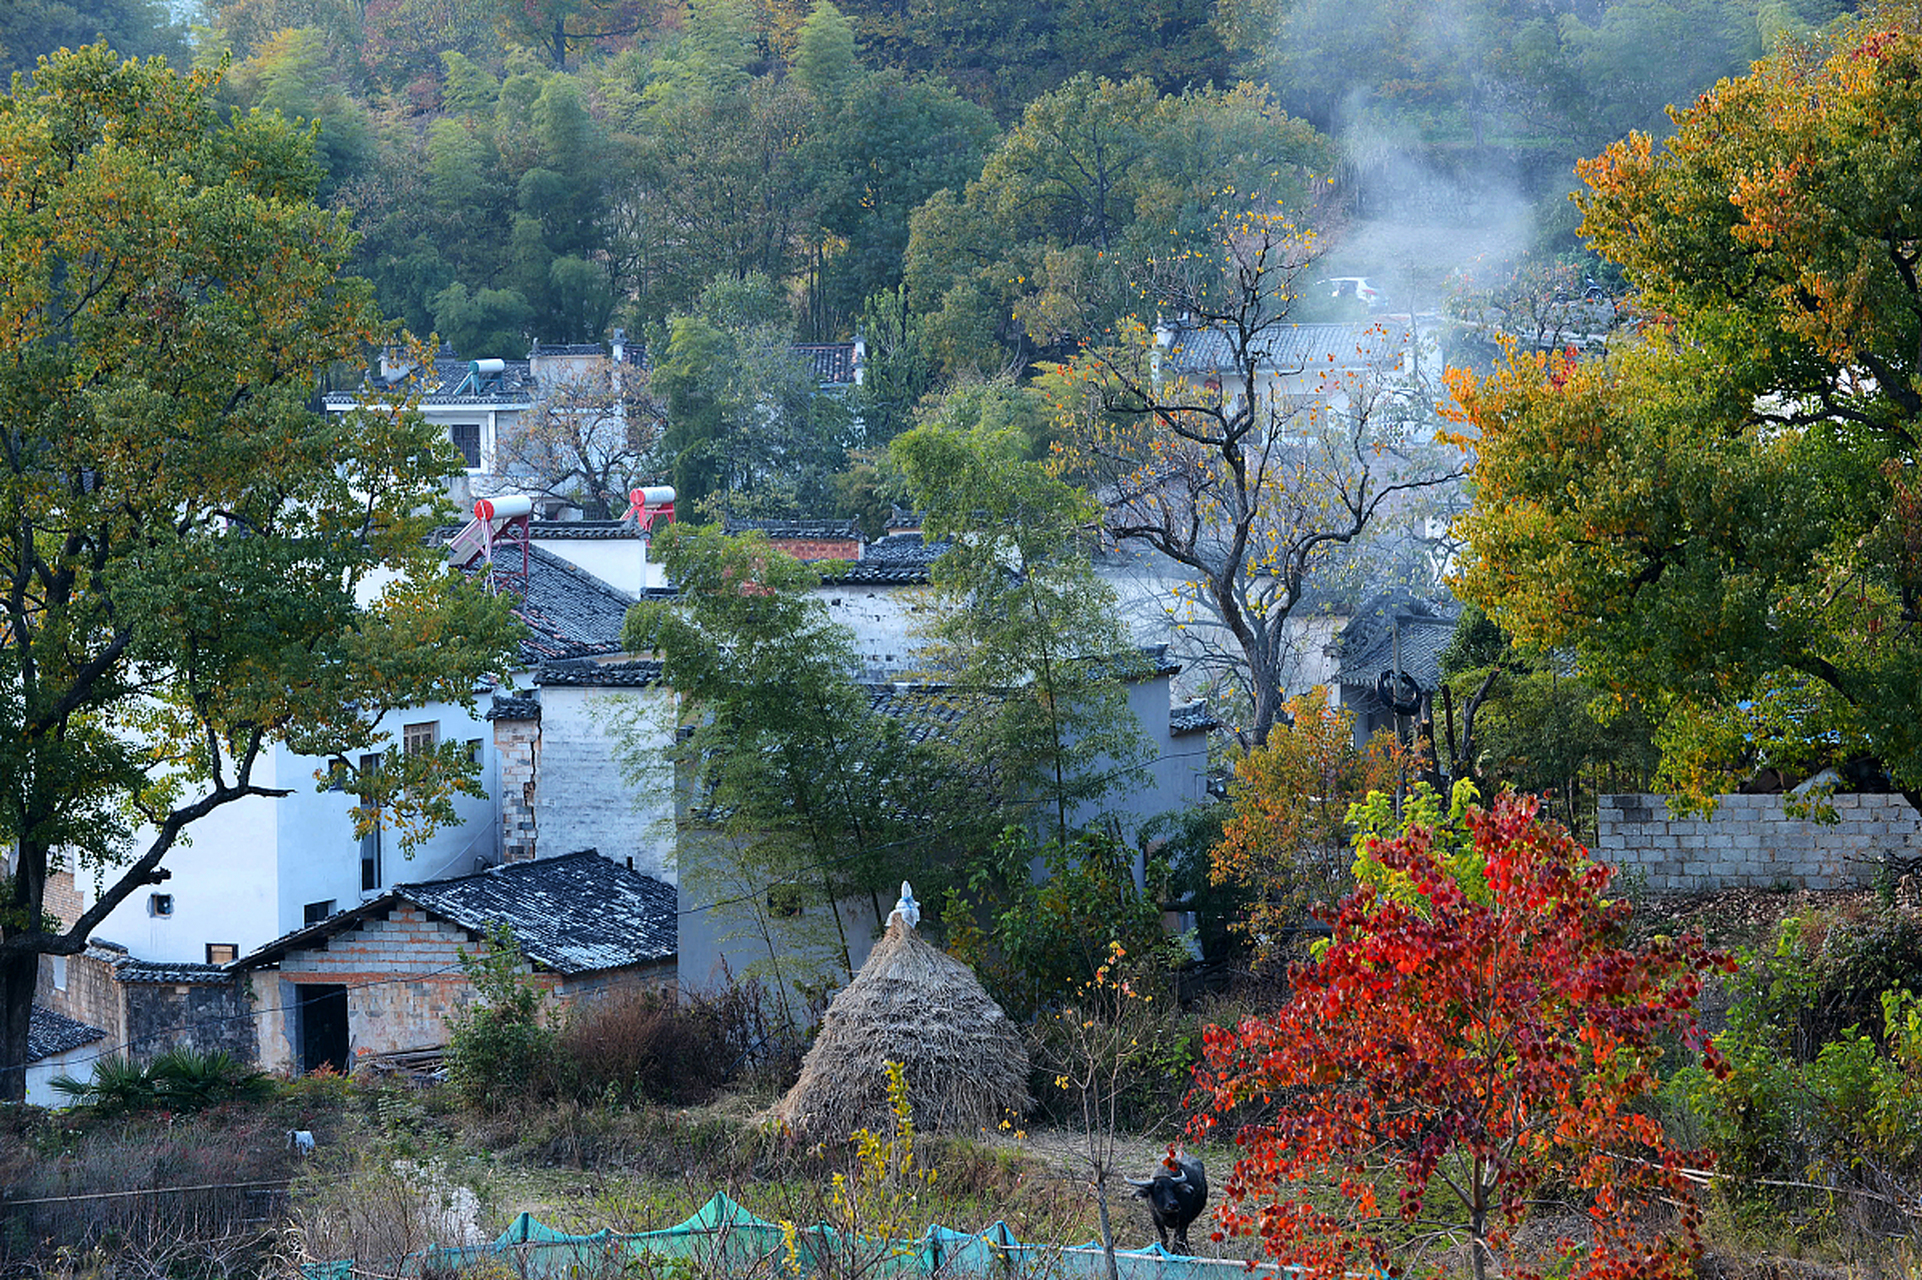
x=1287, y=843
x=1460, y=1044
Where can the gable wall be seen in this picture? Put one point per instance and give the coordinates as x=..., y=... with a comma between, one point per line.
x=403, y=980
x=404, y=984
x=582, y=798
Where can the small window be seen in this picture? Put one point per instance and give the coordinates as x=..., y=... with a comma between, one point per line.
x=160, y=904
x=474, y=747
x=59, y=972
x=784, y=901
x=418, y=739
x=222, y=952
x=466, y=438
x=315, y=912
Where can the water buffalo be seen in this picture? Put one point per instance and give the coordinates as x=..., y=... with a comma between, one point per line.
x=1175, y=1196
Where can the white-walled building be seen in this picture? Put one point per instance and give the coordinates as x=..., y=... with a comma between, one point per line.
x=262, y=867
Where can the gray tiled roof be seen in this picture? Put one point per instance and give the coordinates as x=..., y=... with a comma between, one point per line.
x=1368, y=642
x=856, y=573
x=165, y=971
x=905, y=548
x=49, y=1033
x=637, y=673
x=795, y=528
x=1376, y=344
x=900, y=559
x=831, y=363
x=924, y=711
x=1193, y=718
x=569, y=612
x=581, y=913
x=520, y=707
x=584, y=530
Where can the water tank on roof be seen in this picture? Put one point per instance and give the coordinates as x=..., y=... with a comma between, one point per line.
x=504, y=507
x=487, y=368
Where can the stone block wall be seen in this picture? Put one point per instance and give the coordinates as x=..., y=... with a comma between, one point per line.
x=1749, y=842
x=204, y=1016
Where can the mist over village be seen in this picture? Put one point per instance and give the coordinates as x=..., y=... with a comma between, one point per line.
x=1048, y=639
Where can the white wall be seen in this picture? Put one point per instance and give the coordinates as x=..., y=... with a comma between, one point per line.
x=583, y=800
x=223, y=887
x=622, y=563
x=319, y=855
x=886, y=621
x=244, y=873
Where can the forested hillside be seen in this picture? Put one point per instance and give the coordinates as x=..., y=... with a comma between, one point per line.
x=972, y=186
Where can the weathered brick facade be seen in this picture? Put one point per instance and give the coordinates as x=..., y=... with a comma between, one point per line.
x=63, y=898
x=517, y=740
x=404, y=985
x=819, y=548
x=1750, y=842
x=84, y=988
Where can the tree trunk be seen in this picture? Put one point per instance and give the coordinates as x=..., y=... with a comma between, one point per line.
x=19, y=971
x=1107, y=1226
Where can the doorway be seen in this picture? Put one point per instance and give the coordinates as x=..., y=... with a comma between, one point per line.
x=322, y=1007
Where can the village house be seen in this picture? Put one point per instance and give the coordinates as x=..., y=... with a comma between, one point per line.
x=385, y=977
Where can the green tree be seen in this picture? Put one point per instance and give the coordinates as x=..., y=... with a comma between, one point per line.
x=824, y=58
x=557, y=27
x=299, y=73
x=1027, y=634
x=748, y=428
x=185, y=537
x=1533, y=723
x=1094, y=179
x=30, y=29
x=803, y=785
x=1723, y=518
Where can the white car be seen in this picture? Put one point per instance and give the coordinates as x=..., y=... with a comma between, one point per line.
x=1352, y=287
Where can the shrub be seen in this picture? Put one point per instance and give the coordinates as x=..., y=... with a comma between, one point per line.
x=181, y=1079
x=1824, y=1049
x=499, y=1051
x=650, y=1048
x=1029, y=942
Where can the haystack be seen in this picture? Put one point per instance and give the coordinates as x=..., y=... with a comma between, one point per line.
x=914, y=1004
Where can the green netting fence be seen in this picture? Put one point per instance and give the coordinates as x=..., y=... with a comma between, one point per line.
x=724, y=1239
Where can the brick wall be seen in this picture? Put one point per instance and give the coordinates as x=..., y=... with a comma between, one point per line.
x=90, y=993
x=518, y=745
x=402, y=975
x=63, y=898
x=1749, y=842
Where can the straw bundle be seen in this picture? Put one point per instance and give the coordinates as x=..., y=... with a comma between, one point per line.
x=914, y=1004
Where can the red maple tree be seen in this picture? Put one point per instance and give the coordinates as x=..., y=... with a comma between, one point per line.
x=1463, y=1046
